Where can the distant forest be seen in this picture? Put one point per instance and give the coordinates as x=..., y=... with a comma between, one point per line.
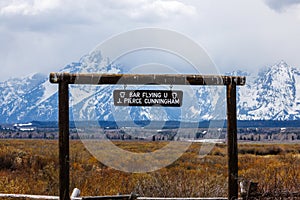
x=172, y=124
x=256, y=131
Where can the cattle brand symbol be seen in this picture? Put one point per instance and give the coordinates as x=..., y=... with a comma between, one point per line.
x=164, y=98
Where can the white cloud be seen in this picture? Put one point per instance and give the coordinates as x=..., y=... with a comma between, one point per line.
x=28, y=7
x=41, y=15
x=135, y=9
x=161, y=9
x=149, y=10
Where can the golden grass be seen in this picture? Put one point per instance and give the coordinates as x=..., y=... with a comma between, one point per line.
x=31, y=166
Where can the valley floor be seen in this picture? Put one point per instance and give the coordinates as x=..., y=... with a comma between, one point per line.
x=31, y=167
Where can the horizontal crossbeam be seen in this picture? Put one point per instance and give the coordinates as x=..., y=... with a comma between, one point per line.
x=146, y=79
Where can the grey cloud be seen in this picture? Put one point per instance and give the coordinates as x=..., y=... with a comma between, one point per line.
x=280, y=5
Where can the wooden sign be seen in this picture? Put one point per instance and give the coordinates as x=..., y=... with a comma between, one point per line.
x=165, y=98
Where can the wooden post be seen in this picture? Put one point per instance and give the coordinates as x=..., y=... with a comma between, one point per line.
x=64, y=140
x=232, y=142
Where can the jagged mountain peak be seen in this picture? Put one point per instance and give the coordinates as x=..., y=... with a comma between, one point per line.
x=94, y=62
x=32, y=76
x=283, y=63
x=280, y=74
x=22, y=84
x=272, y=95
x=238, y=73
x=280, y=67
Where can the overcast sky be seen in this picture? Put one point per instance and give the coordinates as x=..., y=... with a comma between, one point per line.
x=45, y=35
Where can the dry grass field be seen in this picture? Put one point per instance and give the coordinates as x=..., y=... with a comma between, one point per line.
x=31, y=167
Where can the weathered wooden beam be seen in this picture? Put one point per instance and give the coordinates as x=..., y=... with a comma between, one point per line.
x=146, y=79
x=29, y=196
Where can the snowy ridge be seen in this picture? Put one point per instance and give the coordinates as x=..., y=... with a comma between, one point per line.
x=272, y=94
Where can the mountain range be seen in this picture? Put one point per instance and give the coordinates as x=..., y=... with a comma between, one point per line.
x=271, y=94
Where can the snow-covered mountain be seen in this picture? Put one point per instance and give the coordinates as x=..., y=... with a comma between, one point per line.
x=272, y=94
x=17, y=97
